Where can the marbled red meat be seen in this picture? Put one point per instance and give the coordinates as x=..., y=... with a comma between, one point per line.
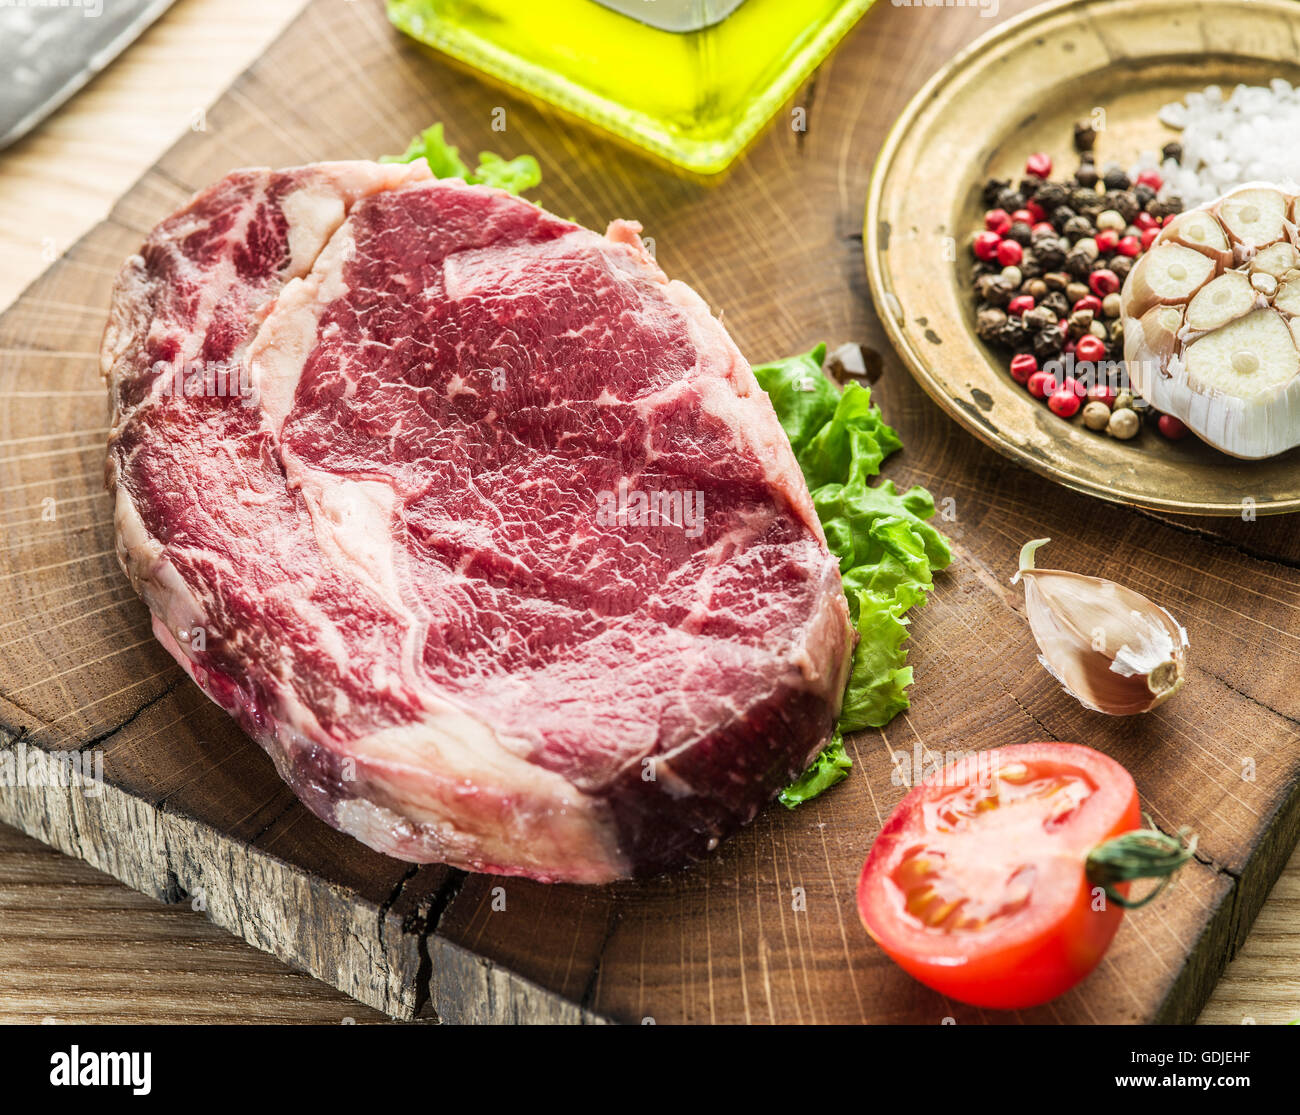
x=474, y=520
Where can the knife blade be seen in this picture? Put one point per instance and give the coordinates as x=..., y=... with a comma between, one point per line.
x=50, y=48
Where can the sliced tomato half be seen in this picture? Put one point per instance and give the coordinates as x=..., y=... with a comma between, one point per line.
x=978, y=886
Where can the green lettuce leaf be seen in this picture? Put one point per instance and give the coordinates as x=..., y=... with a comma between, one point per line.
x=887, y=550
x=515, y=175
x=831, y=766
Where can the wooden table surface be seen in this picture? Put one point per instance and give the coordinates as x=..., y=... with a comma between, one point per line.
x=74, y=944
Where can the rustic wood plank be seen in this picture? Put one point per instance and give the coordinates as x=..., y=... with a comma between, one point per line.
x=193, y=807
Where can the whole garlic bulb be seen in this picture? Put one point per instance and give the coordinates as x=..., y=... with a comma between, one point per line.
x=1212, y=321
x=1111, y=648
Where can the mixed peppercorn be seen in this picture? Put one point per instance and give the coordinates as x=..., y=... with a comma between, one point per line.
x=1049, y=265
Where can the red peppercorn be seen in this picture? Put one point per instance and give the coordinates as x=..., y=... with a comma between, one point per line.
x=997, y=220
x=1150, y=178
x=1102, y=393
x=1103, y=282
x=1149, y=237
x=1063, y=325
x=1043, y=226
x=1040, y=383
x=1106, y=239
x=986, y=245
x=1072, y=385
x=1036, y=212
x=1038, y=165
x=1023, y=216
x=1020, y=304
x=1144, y=221
x=1010, y=253
x=1090, y=348
x=1065, y=403
x=1130, y=246
x=1023, y=366
x=1088, y=302
x=1171, y=427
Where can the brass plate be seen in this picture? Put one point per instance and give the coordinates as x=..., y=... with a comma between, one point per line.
x=1018, y=90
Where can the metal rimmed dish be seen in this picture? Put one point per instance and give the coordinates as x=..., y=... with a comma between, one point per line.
x=1020, y=89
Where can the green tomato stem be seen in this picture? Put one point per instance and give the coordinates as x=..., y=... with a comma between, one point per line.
x=1142, y=854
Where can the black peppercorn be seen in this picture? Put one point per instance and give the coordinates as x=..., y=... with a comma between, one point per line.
x=1083, y=198
x=1143, y=194
x=1050, y=253
x=1048, y=343
x=1173, y=151
x=1060, y=216
x=1165, y=206
x=1013, y=335
x=1051, y=194
x=1041, y=317
x=1056, y=280
x=1121, y=265
x=1086, y=175
x=988, y=323
x=1090, y=206
x=1085, y=136
x=1123, y=202
x=1056, y=304
x=1021, y=233
x=1079, y=263
x=1010, y=200
x=1080, y=322
x=1030, y=265
x=992, y=189
x=1116, y=179
x=1076, y=228
x=996, y=290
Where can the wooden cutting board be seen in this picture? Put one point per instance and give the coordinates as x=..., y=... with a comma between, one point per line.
x=764, y=931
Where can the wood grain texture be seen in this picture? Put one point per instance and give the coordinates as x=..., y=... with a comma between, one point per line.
x=192, y=807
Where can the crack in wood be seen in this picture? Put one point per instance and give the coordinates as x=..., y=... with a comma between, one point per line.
x=593, y=980
x=441, y=901
x=1219, y=541
x=1253, y=700
x=103, y=736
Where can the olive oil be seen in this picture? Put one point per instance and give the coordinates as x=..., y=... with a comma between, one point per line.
x=691, y=80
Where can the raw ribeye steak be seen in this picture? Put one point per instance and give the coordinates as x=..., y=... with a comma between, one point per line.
x=475, y=521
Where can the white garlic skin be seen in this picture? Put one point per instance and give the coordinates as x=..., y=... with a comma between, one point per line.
x=1111, y=648
x=1250, y=425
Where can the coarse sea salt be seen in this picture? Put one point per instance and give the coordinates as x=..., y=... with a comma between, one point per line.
x=1250, y=135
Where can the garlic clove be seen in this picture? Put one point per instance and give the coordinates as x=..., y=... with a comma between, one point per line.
x=1276, y=260
x=1197, y=229
x=1287, y=298
x=1159, y=329
x=1250, y=358
x=1111, y=648
x=1220, y=301
x=1167, y=274
x=1254, y=217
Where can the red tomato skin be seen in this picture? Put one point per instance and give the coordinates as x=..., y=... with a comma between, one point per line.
x=1030, y=972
